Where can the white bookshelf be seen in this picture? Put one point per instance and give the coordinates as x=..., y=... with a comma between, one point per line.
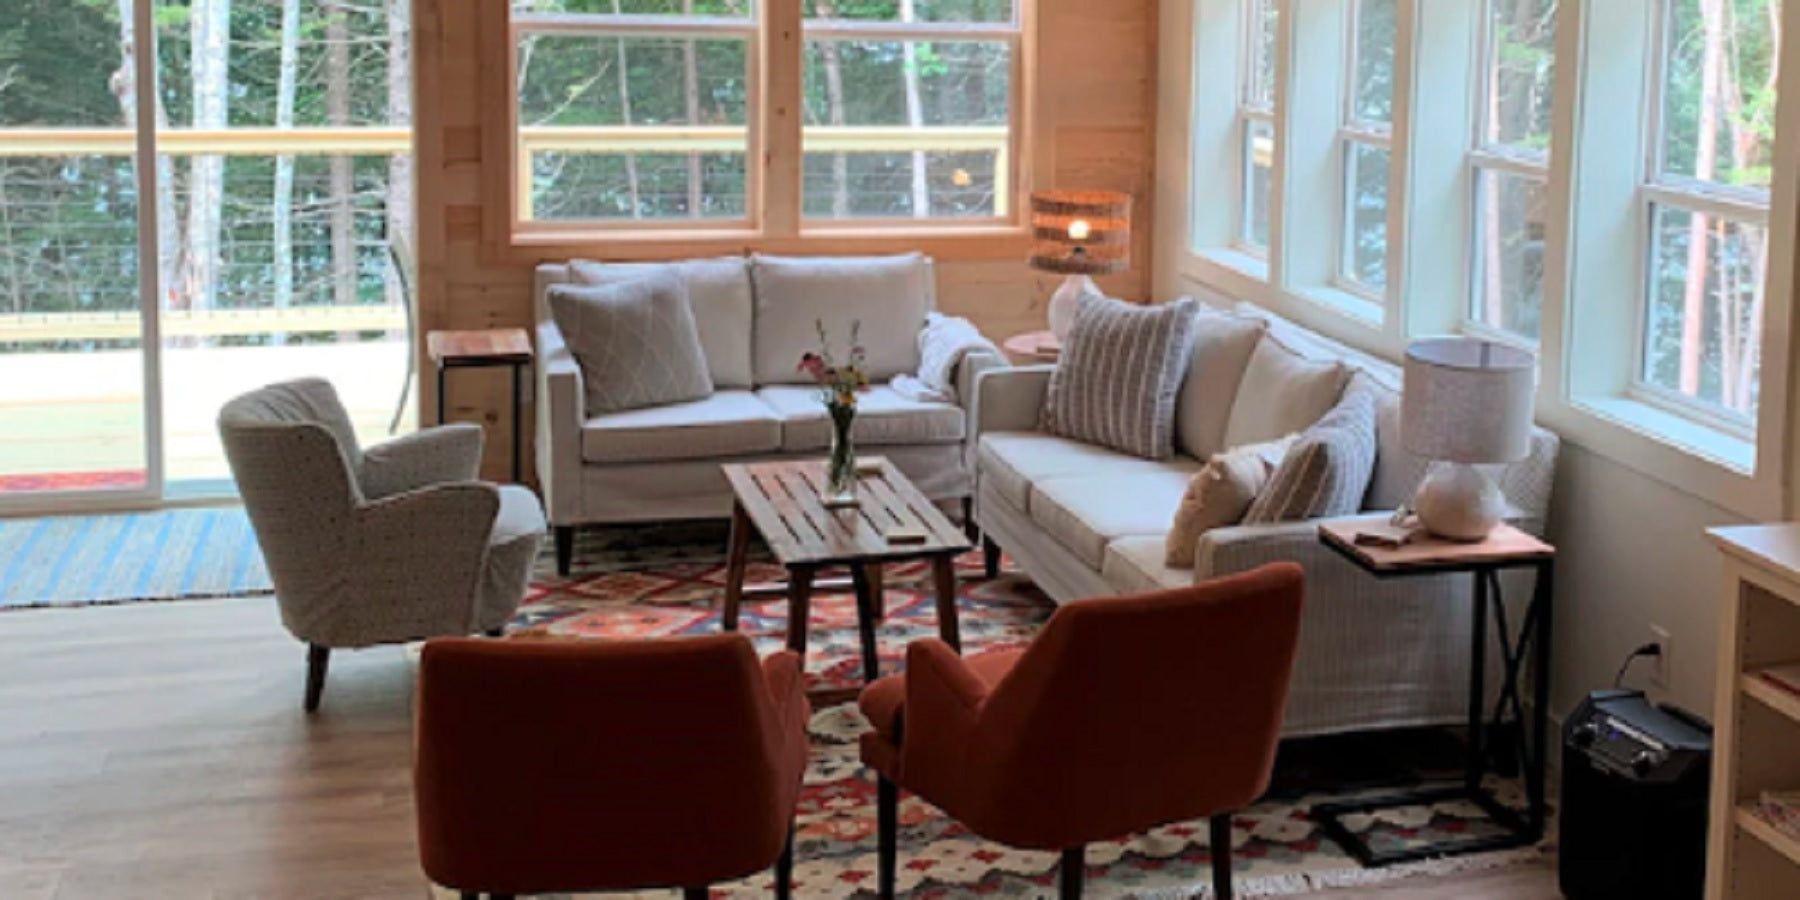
x=1756, y=739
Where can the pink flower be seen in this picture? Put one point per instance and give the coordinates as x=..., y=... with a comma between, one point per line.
x=812, y=364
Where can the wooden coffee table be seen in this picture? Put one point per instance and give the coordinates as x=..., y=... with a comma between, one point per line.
x=781, y=500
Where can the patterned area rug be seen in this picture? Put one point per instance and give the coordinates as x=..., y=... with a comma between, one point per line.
x=674, y=586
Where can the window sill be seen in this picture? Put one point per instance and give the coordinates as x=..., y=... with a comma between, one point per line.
x=1350, y=304
x=1710, y=444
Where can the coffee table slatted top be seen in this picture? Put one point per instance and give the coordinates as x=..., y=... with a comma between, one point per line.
x=785, y=501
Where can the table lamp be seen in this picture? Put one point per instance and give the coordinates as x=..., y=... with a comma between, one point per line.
x=1465, y=402
x=1079, y=234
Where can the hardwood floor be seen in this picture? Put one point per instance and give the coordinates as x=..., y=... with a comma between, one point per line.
x=158, y=750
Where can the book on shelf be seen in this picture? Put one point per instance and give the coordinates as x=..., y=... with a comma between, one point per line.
x=1785, y=677
x=1782, y=810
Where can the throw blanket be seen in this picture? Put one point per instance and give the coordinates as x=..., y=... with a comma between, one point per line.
x=942, y=346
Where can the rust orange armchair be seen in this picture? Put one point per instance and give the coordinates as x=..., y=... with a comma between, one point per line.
x=1124, y=714
x=564, y=766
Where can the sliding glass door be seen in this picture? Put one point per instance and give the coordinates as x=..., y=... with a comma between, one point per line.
x=274, y=243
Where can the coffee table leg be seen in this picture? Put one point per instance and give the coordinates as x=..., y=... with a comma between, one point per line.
x=943, y=570
x=800, y=582
x=736, y=561
x=866, y=600
x=877, y=591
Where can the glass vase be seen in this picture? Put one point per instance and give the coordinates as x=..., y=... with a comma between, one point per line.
x=840, y=467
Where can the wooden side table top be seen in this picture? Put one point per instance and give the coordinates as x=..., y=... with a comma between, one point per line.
x=489, y=347
x=783, y=500
x=1506, y=546
x=1033, y=347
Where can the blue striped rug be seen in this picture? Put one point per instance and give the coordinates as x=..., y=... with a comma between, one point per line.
x=168, y=555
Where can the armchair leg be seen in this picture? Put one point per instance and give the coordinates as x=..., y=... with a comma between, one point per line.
x=784, y=868
x=318, y=659
x=990, y=557
x=1221, y=856
x=1074, y=871
x=698, y=893
x=565, y=549
x=887, y=828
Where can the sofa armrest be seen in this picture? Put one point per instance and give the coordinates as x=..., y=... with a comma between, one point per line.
x=1007, y=399
x=1241, y=548
x=969, y=371
x=560, y=414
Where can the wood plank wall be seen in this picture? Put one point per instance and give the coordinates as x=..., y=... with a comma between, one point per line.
x=1094, y=127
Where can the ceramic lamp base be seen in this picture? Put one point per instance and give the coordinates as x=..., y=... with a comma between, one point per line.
x=1459, y=502
x=1065, y=301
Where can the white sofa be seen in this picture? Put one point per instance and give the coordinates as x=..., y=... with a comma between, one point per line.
x=1084, y=521
x=756, y=318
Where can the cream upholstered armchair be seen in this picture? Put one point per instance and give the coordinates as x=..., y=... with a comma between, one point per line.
x=393, y=544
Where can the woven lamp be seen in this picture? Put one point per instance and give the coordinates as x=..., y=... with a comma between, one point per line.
x=1079, y=234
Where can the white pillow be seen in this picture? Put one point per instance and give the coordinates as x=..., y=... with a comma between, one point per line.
x=719, y=293
x=1282, y=392
x=889, y=295
x=1223, y=343
x=635, y=342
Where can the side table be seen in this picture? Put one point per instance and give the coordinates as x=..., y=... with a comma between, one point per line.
x=1033, y=347
x=1507, y=548
x=483, y=349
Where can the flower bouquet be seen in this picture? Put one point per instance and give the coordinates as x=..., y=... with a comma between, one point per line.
x=839, y=384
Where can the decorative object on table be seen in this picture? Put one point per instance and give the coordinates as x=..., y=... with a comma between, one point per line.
x=775, y=499
x=1326, y=473
x=1121, y=369
x=1782, y=810
x=1033, y=347
x=1079, y=234
x=379, y=546
x=1219, y=495
x=1466, y=402
x=481, y=349
x=839, y=385
x=636, y=341
x=1510, y=732
x=943, y=346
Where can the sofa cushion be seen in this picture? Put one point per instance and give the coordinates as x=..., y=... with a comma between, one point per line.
x=1223, y=343
x=719, y=292
x=1326, y=473
x=884, y=418
x=635, y=341
x=729, y=423
x=1119, y=374
x=889, y=295
x=1134, y=565
x=1009, y=461
x=1283, y=391
x=1086, y=512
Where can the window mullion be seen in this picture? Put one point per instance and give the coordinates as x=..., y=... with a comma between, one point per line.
x=779, y=112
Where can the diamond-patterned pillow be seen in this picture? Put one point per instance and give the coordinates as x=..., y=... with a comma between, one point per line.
x=636, y=342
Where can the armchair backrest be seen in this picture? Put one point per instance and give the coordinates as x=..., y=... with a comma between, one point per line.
x=293, y=453
x=558, y=765
x=1130, y=712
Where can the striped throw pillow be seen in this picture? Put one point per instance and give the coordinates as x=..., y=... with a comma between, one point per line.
x=1327, y=472
x=1120, y=371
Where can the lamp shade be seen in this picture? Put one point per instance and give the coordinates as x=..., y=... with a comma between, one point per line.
x=1467, y=401
x=1081, y=232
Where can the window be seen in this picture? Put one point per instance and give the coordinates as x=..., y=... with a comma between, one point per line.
x=1706, y=202
x=1365, y=136
x=1256, y=124
x=1510, y=166
x=640, y=114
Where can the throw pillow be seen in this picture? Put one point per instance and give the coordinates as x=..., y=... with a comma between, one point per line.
x=1220, y=494
x=635, y=341
x=1120, y=369
x=718, y=291
x=889, y=295
x=1223, y=343
x=1282, y=392
x=1327, y=471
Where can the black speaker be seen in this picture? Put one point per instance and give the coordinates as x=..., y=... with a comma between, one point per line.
x=1635, y=779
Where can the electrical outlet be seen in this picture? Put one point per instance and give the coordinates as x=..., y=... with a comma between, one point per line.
x=1659, y=665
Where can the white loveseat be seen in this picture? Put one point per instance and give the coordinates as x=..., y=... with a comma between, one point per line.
x=1084, y=521
x=756, y=317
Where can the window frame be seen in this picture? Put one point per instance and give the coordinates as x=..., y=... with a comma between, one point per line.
x=776, y=34
x=1354, y=132
x=1251, y=112
x=1662, y=190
